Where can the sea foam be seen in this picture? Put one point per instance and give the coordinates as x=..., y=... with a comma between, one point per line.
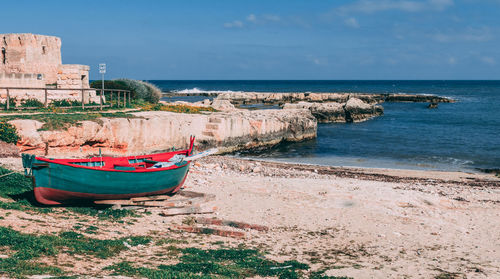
x=198, y=90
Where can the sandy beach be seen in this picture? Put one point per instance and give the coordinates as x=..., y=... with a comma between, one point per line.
x=359, y=223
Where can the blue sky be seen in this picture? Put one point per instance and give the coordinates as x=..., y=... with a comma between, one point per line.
x=273, y=39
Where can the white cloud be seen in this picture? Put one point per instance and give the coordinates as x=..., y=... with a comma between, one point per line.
x=233, y=24
x=267, y=19
x=441, y=4
x=468, y=35
x=351, y=22
x=488, y=60
x=274, y=18
x=252, y=18
x=370, y=6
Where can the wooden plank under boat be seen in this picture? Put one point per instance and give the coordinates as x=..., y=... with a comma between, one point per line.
x=63, y=181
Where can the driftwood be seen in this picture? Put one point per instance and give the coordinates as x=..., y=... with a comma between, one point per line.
x=195, y=209
x=182, y=199
x=218, y=232
x=234, y=224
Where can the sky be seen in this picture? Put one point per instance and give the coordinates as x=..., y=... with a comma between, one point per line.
x=270, y=39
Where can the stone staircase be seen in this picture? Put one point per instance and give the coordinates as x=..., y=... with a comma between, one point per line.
x=212, y=127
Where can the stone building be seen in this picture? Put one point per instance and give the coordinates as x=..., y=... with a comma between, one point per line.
x=34, y=61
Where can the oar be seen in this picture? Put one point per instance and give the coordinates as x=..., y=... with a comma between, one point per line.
x=201, y=154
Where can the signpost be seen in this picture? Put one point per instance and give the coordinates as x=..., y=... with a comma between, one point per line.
x=102, y=70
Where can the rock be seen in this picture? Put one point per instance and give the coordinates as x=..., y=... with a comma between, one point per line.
x=257, y=169
x=432, y=105
x=155, y=131
x=323, y=112
x=8, y=150
x=239, y=98
x=223, y=105
x=415, y=98
x=357, y=111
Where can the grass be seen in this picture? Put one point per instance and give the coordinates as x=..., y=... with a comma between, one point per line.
x=28, y=247
x=220, y=263
x=178, y=108
x=60, y=119
x=19, y=188
x=57, y=121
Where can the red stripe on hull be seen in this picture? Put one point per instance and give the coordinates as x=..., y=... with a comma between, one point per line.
x=49, y=196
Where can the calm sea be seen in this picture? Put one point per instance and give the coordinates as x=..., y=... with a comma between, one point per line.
x=458, y=136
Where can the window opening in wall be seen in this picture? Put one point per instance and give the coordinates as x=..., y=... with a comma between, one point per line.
x=39, y=76
x=83, y=77
x=43, y=50
x=4, y=41
x=4, y=56
x=20, y=42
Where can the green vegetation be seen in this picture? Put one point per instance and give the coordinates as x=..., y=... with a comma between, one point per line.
x=19, y=188
x=176, y=108
x=12, y=103
x=33, y=103
x=26, y=247
x=56, y=121
x=140, y=90
x=321, y=275
x=8, y=132
x=220, y=263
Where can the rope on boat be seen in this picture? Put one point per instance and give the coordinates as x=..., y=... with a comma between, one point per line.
x=7, y=174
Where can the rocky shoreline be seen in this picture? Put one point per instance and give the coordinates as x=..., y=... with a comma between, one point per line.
x=287, y=97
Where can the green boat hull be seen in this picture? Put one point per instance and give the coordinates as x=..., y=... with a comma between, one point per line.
x=59, y=184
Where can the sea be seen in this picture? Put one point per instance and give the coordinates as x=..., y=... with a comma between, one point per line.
x=460, y=136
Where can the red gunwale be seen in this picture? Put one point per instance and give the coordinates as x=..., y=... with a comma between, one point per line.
x=67, y=162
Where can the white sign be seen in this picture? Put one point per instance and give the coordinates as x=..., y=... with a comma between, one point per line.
x=102, y=68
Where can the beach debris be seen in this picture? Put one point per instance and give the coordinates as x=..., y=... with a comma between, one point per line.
x=195, y=209
x=219, y=232
x=234, y=224
x=3, y=175
x=183, y=198
x=281, y=267
x=183, y=203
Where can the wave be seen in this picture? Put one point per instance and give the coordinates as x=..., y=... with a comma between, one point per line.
x=198, y=90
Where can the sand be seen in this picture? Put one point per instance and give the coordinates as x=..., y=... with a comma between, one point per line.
x=362, y=223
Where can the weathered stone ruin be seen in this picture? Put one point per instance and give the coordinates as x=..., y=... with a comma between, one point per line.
x=34, y=61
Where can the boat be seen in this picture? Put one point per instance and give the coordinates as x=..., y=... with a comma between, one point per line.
x=68, y=181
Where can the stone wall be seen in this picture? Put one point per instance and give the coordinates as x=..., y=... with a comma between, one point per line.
x=32, y=54
x=34, y=61
x=159, y=131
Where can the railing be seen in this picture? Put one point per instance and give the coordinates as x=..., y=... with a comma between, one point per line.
x=126, y=94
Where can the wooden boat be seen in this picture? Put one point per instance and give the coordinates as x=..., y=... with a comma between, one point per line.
x=63, y=181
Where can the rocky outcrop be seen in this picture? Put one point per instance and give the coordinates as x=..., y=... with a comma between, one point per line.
x=8, y=150
x=354, y=110
x=158, y=131
x=357, y=111
x=245, y=98
x=323, y=112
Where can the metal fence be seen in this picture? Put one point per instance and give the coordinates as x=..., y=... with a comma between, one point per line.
x=122, y=96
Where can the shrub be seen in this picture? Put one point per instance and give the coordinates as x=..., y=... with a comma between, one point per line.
x=31, y=103
x=69, y=103
x=143, y=90
x=8, y=133
x=140, y=90
x=12, y=103
x=60, y=103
